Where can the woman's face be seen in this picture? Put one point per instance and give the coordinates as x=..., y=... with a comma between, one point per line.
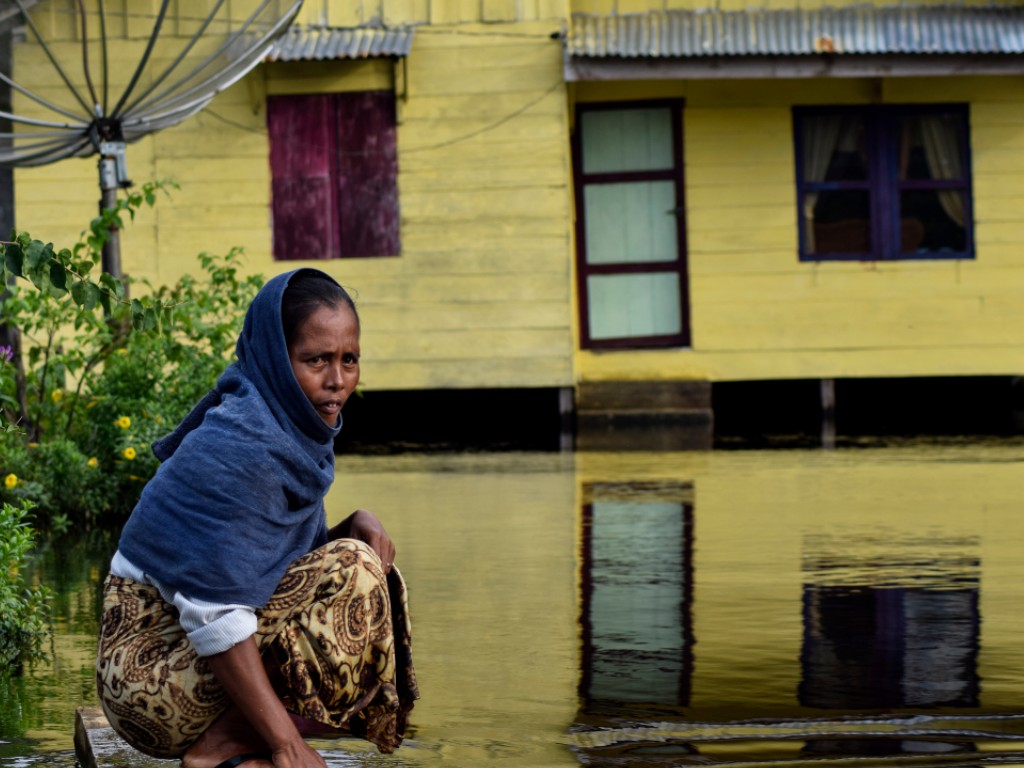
x=325, y=359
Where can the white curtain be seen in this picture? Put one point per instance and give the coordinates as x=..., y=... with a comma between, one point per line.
x=821, y=136
x=942, y=151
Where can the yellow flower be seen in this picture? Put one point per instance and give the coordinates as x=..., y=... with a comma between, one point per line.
x=93, y=462
x=57, y=395
x=124, y=422
x=10, y=481
x=122, y=351
x=129, y=453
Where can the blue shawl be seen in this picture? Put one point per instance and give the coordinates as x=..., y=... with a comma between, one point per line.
x=239, y=495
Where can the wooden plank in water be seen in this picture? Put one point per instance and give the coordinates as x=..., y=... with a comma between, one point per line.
x=98, y=746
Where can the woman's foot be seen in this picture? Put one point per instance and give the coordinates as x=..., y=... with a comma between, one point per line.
x=229, y=742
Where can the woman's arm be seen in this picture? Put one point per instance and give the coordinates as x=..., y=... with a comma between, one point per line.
x=241, y=672
x=364, y=526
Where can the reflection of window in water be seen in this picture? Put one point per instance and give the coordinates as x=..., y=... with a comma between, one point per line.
x=636, y=592
x=890, y=622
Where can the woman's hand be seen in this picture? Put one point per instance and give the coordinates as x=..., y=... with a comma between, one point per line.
x=364, y=526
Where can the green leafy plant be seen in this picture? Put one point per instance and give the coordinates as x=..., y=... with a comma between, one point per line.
x=24, y=611
x=94, y=377
x=67, y=323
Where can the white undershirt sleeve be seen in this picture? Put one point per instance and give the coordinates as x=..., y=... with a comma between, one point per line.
x=211, y=627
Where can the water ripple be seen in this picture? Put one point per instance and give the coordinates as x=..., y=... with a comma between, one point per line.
x=959, y=729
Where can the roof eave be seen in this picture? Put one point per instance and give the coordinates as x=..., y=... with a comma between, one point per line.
x=315, y=43
x=610, y=68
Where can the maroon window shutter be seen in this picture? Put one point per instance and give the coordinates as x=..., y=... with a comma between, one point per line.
x=367, y=179
x=300, y=166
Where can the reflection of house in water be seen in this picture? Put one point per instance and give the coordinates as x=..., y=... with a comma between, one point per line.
x=636, y=614
x=637, y=581
x=898, y=626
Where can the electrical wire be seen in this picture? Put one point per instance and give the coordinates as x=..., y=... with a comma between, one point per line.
x=487, y=128
x=423, y=148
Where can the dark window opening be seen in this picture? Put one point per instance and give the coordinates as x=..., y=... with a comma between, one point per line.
x=883, y=182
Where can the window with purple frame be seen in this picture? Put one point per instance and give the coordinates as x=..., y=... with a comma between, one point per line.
x=883, y=182
x=334, y=166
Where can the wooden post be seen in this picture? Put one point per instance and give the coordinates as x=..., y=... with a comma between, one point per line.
x=828, y=413
x=566, y=409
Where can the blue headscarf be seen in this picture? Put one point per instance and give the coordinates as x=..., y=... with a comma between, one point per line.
x=240, y=493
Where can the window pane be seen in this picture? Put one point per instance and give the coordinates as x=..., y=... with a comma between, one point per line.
x=634, y=305
x=932, y=220
x=833, y=148
x=626, y=140
x=631, y=222
x=367, y=174
x=837, y=222
x=304, y=215
x=931, y=147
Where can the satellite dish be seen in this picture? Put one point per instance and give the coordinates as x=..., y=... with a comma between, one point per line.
x=187, y=53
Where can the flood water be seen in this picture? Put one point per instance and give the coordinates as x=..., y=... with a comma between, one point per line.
x=725, y=607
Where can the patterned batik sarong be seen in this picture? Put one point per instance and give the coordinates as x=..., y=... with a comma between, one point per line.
x=336, y=628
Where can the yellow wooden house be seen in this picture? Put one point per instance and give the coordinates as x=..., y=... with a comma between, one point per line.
x=618, y=204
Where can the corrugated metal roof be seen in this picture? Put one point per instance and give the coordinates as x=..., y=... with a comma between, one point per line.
x=897, y=29
x=320, y=43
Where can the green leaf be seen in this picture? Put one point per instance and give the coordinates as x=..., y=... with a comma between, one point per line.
x=112, y=284
x=92, y=296
x=14, y=258
x=37, y=254
x=79, y=292
x=58, y=280
x=40, y=277
x=138, y=314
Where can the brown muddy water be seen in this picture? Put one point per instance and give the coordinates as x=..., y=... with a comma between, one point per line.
x=747, y=608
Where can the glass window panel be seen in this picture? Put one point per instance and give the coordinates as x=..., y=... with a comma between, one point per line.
x=932, y=220
x=834, y=148
x=837, y=221
x=630, y=223
x=627, y=140
x=644, y=304
x=907, y=165
x=931, y=147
